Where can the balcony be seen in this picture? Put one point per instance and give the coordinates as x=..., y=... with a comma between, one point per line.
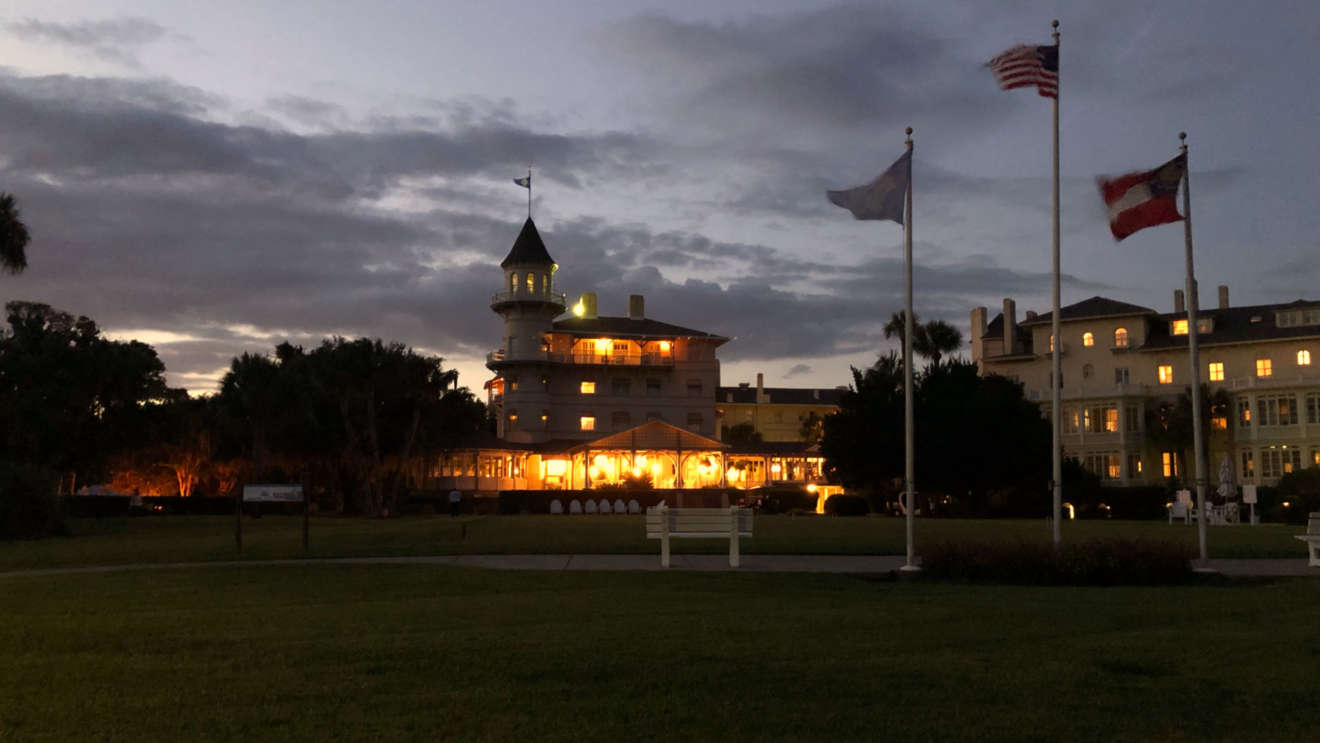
x=602, y=359
x=552, y=297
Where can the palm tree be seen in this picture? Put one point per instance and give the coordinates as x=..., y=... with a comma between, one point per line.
x=14, y=236
x=936, y=340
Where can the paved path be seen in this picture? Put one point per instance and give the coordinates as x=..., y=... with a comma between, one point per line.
x=715, y=563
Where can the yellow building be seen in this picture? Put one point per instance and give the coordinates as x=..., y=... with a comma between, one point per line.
x=1120, y=361
x=776, y=413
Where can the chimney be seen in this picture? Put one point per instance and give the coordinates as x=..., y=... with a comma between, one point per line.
x=589, y=305
x=978, y=330
x=760, y=387
x=1010, y=326
x=1223, y=296
x=1031, y=315
x=636, y=307
x=1178, y=305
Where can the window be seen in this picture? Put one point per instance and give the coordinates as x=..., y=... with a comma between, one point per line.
x=1121, y=375
x=1088, y=339
x=1165, y=373
x=1315, y=457
x=1203, y=325
x=1103, y=465
x=1312, y=407
x=1216, y=371
x=1051, y=342
x=1120, y=338
x=694, y=388
x=1070, y=419
x=1179, y=327
x=1131, y=419
x=1088, y=371
x=513, y=384
x=1170, y=462
x=1278, y=461
x=694, y=422
x=1219, y=423
x=587, y=388
x=531, y=283
x=1244, y=412
x=513, y=281
x=1277, y=410
x=1264, y=368
x=587, y=423
x=653, y=388
x=1303, y=357
x=1100, y=420
x=620, y=420
x=1134, y=465
x=1248, y=465
x=620, y=387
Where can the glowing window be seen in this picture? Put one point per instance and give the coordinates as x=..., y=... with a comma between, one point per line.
x=1180, y=327
x=1120, y=338
x=1170, y=464
x=1051, y=343
x=1216, y=371
x=1264, y=368
x=1303, y=358
x=1219, y=423
x=513, y=417
x=1166, y=373
x=587, y=423
x=588, y=388
x=1088, y=339
x=531, y=283
x=513, y=281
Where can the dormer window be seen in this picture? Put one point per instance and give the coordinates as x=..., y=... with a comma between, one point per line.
x=1088, y=339
x=1120, y=338
x=1179, y=327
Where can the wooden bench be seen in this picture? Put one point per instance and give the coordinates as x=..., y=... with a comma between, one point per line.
x=665, y=523
x=1312, y=539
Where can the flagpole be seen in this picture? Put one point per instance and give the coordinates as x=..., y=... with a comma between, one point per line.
x=529, y=192
x=909, y=463
x=1193, y=348
x=1056, y=378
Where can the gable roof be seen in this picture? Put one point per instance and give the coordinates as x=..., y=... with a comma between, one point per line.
x=1091, y=308
x=626, y=327
x=654, y=435
x=528, y=248
x=1232, y=325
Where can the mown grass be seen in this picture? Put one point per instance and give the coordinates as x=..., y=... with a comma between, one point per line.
x=402, y=653
x=209, y=538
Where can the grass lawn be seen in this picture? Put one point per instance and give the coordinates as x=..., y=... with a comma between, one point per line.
x=198, y=538
x=400, y=653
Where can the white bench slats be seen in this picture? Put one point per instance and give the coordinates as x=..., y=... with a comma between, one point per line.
x=1312, y=539
x=664, y=523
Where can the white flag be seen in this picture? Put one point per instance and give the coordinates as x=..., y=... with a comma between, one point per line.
x=882, y=198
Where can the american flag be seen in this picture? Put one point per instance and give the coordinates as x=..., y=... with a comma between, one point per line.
x=1026, y=65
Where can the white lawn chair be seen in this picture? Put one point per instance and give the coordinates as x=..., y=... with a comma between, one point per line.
x=620, y=506
x=556, y=507
x=1179, y=510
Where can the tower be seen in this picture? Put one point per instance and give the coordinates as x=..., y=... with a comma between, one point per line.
x=528, y=303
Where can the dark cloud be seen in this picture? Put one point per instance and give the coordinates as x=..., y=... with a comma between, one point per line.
x=113, y=40
x=797, y=370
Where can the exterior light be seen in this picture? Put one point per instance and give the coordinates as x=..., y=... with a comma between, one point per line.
x=811, y=487
x=579, y=310
x=664, y=345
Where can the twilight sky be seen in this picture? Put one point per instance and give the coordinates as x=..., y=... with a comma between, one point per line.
x=218, y=177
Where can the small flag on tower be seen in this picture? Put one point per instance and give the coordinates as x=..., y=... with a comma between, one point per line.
x=882, y=198
x=1026, y=65
x=525, y=182
x=1140, y=200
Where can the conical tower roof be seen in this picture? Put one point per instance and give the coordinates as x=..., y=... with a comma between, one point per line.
x=528, y=248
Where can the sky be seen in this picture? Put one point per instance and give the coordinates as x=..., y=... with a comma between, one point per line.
x=214, y=178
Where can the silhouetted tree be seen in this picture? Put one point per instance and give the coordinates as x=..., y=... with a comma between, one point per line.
x=14, y=236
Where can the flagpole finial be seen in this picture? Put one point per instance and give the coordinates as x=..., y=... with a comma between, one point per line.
x=1055, y=33
x=1182, y=141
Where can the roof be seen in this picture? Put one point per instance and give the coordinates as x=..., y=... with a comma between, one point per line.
x=995, y=330
x=776, y=448
x=528, y=248
x=1091, y=308
x=627, y=327
x=1232, y=325
x=654, y=435
x=782, y=395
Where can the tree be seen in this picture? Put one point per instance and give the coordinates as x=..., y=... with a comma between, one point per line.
x=741, y=433
x=897, y=328
x=936, y=340
x=863, y=443
x=14, y=236
x=812, y=428
x=1169, y=425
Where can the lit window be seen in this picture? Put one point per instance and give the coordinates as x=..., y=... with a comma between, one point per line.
x=531, y=283
x=587, y=422
x=1088, y=339
x=1264, y=368
x=1170, y=464
x=1219, y=423
x=1111, y=423
x=1120, y=338
x=1303, y=358
x=1180, y=327
x=1166, y=373
x=1051, y=343
x=664, y=346
x=588, y=388
x=513, y=281
x=1216, y=371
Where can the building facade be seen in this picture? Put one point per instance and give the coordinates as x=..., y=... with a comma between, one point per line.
x=776, y=413
x=1122, y=363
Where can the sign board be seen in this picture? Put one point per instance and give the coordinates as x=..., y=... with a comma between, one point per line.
x=272, y=494
x=1185, y=497
x=1248, y=493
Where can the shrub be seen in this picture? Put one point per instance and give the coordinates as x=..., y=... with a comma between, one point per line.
x=845, y=504
x=1101, y=562
x=785, y=498
x=29, y=507
x=1301, y=491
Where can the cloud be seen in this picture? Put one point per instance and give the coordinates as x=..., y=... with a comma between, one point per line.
x=115, y=40
x=797, y=370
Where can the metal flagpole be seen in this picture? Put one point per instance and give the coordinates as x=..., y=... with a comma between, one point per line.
x=529, y=192
x=1056, y=378
x=909, y=464
x=1193, y=348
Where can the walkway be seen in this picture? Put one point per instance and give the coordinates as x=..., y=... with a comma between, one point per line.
x=713, y=563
